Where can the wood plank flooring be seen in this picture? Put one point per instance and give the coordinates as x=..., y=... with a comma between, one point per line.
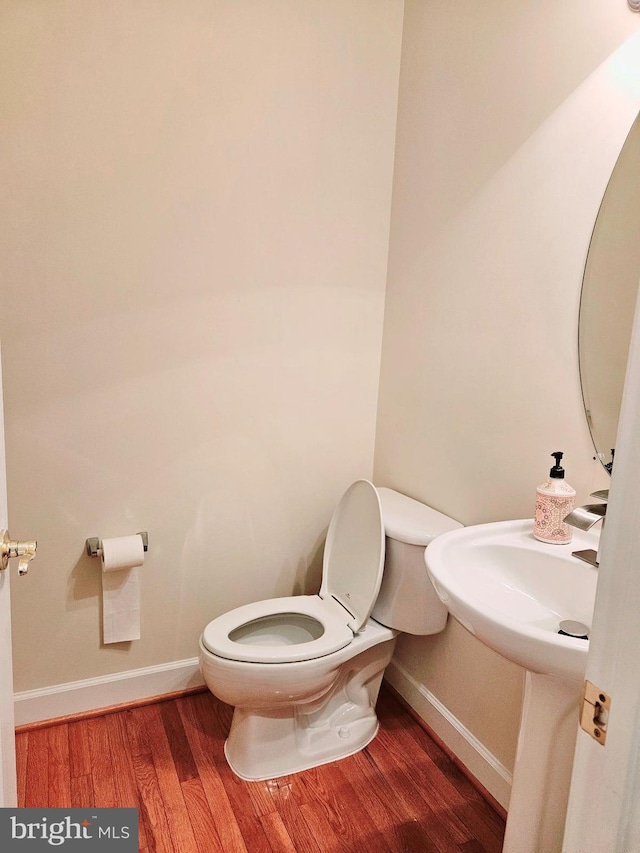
x=401, y=793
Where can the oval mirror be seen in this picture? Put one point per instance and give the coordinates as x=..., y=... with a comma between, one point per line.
x=609, y=292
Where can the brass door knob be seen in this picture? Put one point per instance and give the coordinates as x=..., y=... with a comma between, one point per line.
x=25, y=551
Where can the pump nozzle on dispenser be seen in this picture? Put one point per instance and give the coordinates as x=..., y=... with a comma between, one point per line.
x=557, y=472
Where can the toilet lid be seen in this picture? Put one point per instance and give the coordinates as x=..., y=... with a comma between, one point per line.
x=305, y=627
x=354, y=553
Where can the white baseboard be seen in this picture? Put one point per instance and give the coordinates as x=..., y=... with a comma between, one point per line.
x=76, y=697
x=465, y=746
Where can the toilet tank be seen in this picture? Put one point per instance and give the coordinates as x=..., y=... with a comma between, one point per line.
x=407, y=600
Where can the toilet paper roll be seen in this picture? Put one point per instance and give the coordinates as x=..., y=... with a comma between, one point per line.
x=121, y=561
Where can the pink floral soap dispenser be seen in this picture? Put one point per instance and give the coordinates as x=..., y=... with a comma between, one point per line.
x=555, y=499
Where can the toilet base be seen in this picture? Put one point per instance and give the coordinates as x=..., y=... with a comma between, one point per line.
x=278, y=759
x=268, y=744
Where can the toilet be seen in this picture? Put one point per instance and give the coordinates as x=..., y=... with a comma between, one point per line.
x=303, y=672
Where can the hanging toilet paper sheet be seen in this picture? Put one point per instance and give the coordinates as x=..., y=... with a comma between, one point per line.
x=121, y=561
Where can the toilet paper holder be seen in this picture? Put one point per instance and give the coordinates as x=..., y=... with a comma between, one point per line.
x=94, y=544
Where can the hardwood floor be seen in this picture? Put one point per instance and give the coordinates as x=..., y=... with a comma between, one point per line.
x=401, y=793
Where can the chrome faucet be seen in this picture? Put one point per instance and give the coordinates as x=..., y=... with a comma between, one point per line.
x=584, y=517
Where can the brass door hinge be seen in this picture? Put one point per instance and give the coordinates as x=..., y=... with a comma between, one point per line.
x=595, y=712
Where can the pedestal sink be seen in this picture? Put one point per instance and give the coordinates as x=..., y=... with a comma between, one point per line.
x=513, y=592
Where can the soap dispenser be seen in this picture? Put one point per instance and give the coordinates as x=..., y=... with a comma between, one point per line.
x=555, y=499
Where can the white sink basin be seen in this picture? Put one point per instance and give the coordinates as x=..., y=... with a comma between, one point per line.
x=512, y=592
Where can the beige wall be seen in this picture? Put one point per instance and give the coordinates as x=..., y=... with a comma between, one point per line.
x=195, y=214
x=503, y=151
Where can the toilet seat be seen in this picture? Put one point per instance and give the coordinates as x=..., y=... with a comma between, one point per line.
x=305, y=627
x=263, y=621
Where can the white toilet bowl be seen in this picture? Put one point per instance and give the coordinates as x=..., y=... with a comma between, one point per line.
x=292, y=716
x=303, y=672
